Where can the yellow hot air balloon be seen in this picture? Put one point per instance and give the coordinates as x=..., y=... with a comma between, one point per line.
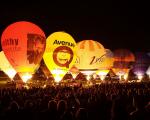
x=106, y=65
x=23, y=44
x=90, y=55
x=6, y=66
x=60, y=54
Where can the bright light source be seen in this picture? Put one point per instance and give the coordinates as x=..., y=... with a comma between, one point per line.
x=11, y=73
x=140, y=77
x=88, y=77
x=58, y=71
x=102, y=77
x=125, y=76
x=44, y=86
x=58, y=74
x=58, y=78
x=94, y=76
x=102, y=73
x=88, y=72
x=74, y=75
x=26, y=76
x=120, y=77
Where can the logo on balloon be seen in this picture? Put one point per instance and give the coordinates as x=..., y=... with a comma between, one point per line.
x=98, y=59
x=63, y=56
x=60, y=51
x=35, y=47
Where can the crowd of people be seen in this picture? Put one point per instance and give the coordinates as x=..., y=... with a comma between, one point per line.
x=128, y=101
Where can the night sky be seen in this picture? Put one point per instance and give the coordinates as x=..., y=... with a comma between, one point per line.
x=115, y=24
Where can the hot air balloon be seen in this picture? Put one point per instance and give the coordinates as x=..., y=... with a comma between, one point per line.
x=6, y=66
x=141, y=64
x=90, y=55
x=106, y=65
x=74, y=71
x=60, y=54
x=123, y=61
x=23, y=44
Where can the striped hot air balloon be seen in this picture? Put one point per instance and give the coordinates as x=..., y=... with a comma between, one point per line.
x=123, y=61
x=90, y=55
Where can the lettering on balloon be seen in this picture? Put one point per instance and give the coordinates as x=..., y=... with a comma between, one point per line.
x=58, y=42
x=97, y=59
x=11, y=44
x=10, y=41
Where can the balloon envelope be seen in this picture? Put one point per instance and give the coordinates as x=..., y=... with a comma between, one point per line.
x=141, y=64
x=123, y=60
x=90, y=55
x=6, y=66
x=23, y=44
x=60, y=53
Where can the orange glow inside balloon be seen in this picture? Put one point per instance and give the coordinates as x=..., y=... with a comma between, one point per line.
x=23, y=44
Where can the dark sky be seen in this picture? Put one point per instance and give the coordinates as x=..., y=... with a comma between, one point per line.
x=115, y=24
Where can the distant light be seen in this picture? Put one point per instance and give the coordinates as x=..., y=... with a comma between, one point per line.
x=44, y=86
x=88, y=77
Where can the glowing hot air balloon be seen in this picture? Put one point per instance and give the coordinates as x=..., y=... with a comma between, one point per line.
x=60, y=53
x=23, y=44
x=141, y=64
x=106, y=65
x=123, y=61
x=90, y=55
x=6, y=66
